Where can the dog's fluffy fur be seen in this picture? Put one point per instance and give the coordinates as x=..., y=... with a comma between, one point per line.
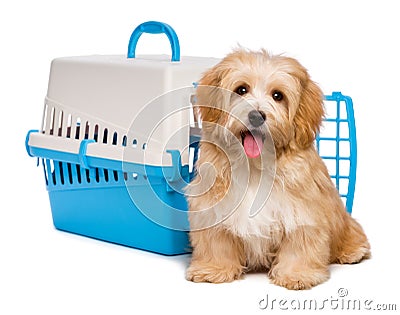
x=278, y=211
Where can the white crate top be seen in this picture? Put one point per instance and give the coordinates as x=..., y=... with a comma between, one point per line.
x=123, y=100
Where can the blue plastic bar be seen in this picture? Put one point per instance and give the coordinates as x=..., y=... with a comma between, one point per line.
x=154, y=27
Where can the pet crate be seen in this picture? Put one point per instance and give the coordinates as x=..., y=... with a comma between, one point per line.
x=116, y=147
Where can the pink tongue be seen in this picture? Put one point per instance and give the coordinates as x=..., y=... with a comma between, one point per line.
x=252, y=145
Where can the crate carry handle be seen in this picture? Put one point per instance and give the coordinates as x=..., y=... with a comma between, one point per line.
x=153, y=27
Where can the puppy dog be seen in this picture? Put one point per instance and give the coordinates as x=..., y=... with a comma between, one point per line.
x=262, y=198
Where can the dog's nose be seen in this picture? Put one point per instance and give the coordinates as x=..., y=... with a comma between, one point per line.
x=256, y=118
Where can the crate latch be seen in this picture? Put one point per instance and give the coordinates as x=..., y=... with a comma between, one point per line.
x=82, y=153
x=176, y=166
x=175, y=182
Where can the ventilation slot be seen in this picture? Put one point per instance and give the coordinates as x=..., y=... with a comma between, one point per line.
x=105, y=136
x=60, y=123
x=51, y=121
x=87, y=176
x=78, y=129
x=87, y=128
x=96, y=133
x=69, y=126
x=115, y=138
x=78, y=173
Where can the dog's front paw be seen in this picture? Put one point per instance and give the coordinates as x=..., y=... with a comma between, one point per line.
x=299, y=281
x=292, y=284
x=214, y=274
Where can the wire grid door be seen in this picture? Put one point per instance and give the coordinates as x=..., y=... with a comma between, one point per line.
x=337, y=145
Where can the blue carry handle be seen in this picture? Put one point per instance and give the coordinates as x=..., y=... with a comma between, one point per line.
x=153, y=27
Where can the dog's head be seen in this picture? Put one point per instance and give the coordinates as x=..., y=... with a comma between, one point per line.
x=251, y=95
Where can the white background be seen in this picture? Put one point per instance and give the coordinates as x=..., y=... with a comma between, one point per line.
x=351, y=46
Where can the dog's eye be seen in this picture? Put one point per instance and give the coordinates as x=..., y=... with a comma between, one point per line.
x=242, y=90
x=277, y=96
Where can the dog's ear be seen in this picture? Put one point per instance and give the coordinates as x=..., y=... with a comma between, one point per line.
x=210, y=95
x=309, y=114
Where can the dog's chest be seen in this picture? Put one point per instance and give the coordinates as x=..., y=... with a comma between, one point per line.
x=255, y=206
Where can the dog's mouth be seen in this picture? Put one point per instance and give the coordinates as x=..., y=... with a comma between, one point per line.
x=253, y=142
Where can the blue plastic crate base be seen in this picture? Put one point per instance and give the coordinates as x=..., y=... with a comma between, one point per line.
x=97, y=203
